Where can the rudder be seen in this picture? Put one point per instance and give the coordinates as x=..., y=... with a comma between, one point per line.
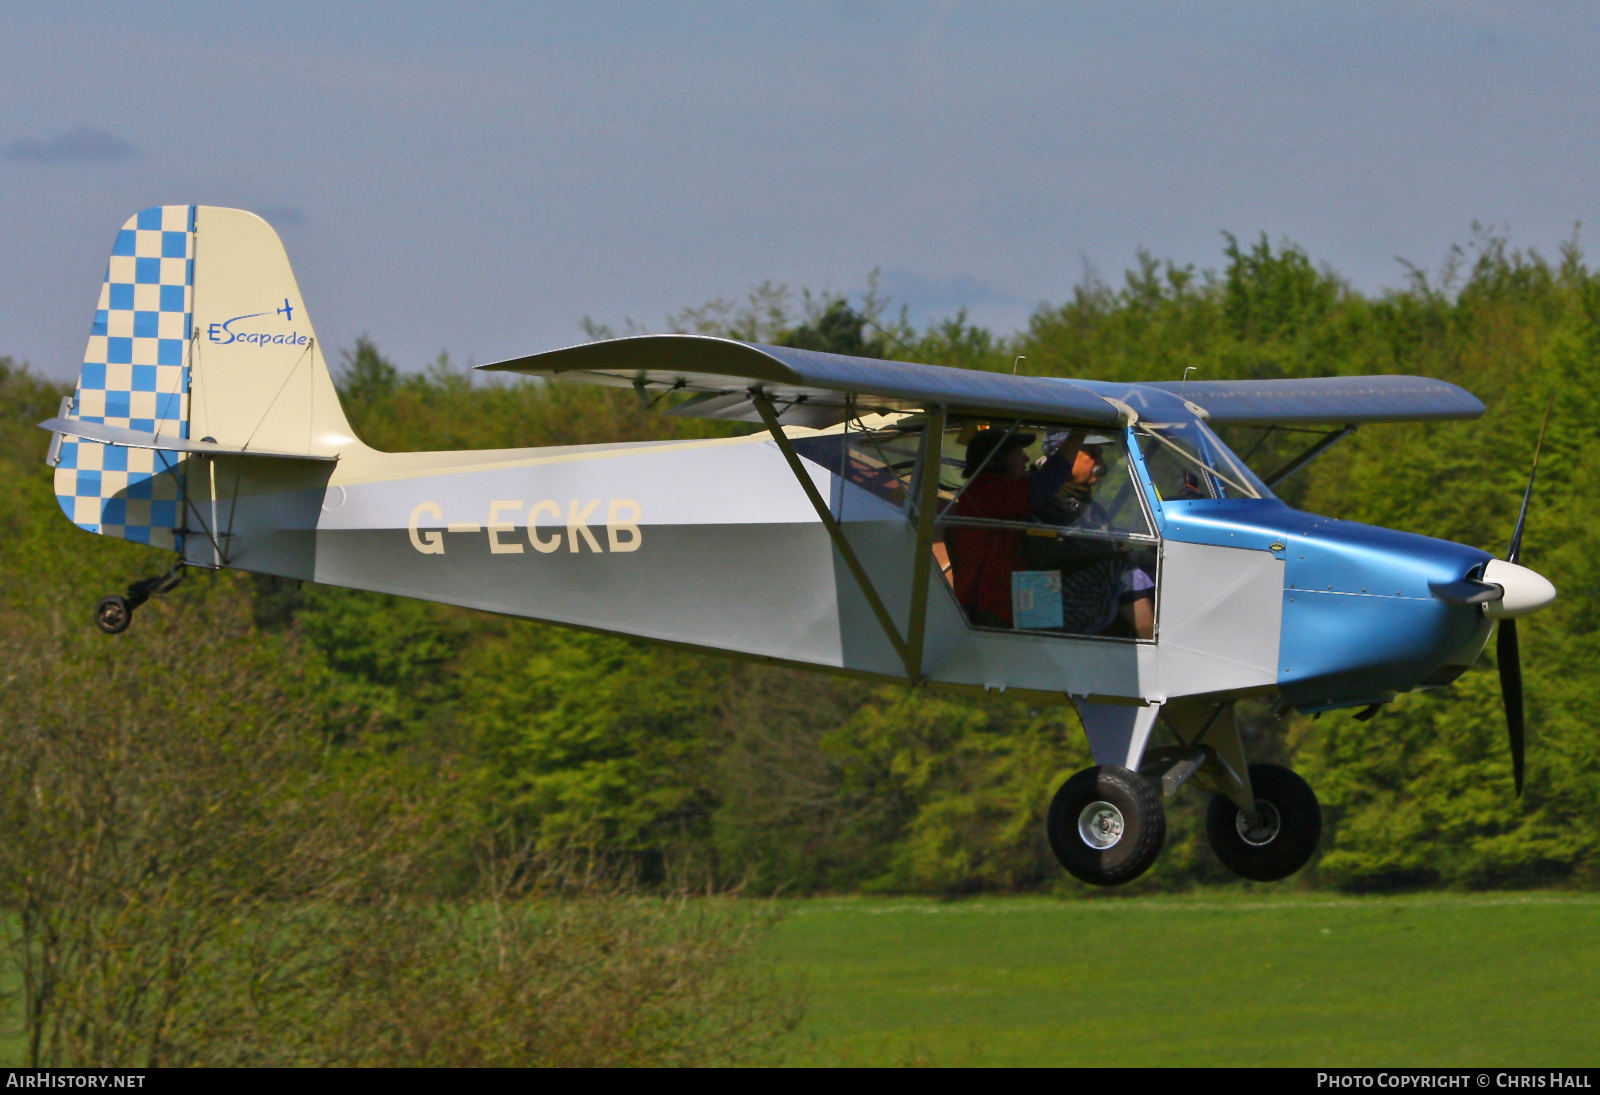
x=135, y=375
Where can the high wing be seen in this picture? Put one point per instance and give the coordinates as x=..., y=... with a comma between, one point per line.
x=1326, y=400
x=817, y=389
x=810, y=388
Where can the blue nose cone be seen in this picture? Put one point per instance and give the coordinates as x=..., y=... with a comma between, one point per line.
x=1359, y=617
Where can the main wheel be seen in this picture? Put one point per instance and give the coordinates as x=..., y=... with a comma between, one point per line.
x=1282, y=836
x=1106, y=825
x=112, y=615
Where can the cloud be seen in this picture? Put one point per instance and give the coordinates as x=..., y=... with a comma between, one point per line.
x=930, y=300
x=78, y=145
x=940, y=296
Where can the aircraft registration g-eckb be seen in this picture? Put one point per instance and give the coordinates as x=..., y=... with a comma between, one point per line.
x=1069, y=540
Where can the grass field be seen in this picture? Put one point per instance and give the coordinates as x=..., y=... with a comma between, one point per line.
x=1226, y=978
x=1441, y=980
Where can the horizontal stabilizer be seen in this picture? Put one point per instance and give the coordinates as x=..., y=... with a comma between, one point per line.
x=138, y=439
x=1326, y=400
x=802, y=382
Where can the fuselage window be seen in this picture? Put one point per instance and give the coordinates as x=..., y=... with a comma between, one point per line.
x=875, y=462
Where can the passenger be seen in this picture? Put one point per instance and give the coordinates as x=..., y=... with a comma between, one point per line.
x=1002, y=489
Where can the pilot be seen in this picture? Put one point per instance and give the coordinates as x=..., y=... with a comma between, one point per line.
x=1002, y=488
x=1077, y=494
x=1102, y=591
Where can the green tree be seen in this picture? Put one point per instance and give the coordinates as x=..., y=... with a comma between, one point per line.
x=367, y=376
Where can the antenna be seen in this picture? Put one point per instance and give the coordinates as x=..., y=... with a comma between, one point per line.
x=1187, y=371
x=1020, y=359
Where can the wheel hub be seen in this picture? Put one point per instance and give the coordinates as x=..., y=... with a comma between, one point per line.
x=1100, y=825
x=1262, y=828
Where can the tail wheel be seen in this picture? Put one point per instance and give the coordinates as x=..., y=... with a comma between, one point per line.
x=1106, y=825
x=112, y=615
x=1280, y=839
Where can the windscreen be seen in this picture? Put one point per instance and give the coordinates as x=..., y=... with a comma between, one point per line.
x=1186, y=460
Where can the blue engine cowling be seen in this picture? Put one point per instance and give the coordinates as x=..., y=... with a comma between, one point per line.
x=1360, y=620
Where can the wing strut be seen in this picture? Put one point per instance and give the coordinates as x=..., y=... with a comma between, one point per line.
x=1328, y=441
x=922, y=557
x=764, y=407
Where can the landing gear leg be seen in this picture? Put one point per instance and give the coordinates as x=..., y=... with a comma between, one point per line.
x=1263, y=820
x=113, y=614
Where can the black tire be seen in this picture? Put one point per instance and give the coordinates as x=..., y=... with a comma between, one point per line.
x=1119, y=805
x=112, y=615
x=1293, y=826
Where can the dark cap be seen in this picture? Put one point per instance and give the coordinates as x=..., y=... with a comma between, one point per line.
x=983, y=446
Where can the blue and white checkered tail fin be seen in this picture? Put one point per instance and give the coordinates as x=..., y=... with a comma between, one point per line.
x=201, y=335
x=135, y=375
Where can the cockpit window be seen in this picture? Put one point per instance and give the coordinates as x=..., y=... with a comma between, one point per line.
x=1043, y=528
x=1186, y=460
x=1038, y=527
x=1099, y=500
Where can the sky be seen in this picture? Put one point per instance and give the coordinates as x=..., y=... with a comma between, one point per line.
x=477, y=178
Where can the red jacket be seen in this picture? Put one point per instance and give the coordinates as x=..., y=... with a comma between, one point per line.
x=982, y=559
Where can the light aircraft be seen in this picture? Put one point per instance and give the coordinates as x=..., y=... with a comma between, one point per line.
x=1066, y=540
